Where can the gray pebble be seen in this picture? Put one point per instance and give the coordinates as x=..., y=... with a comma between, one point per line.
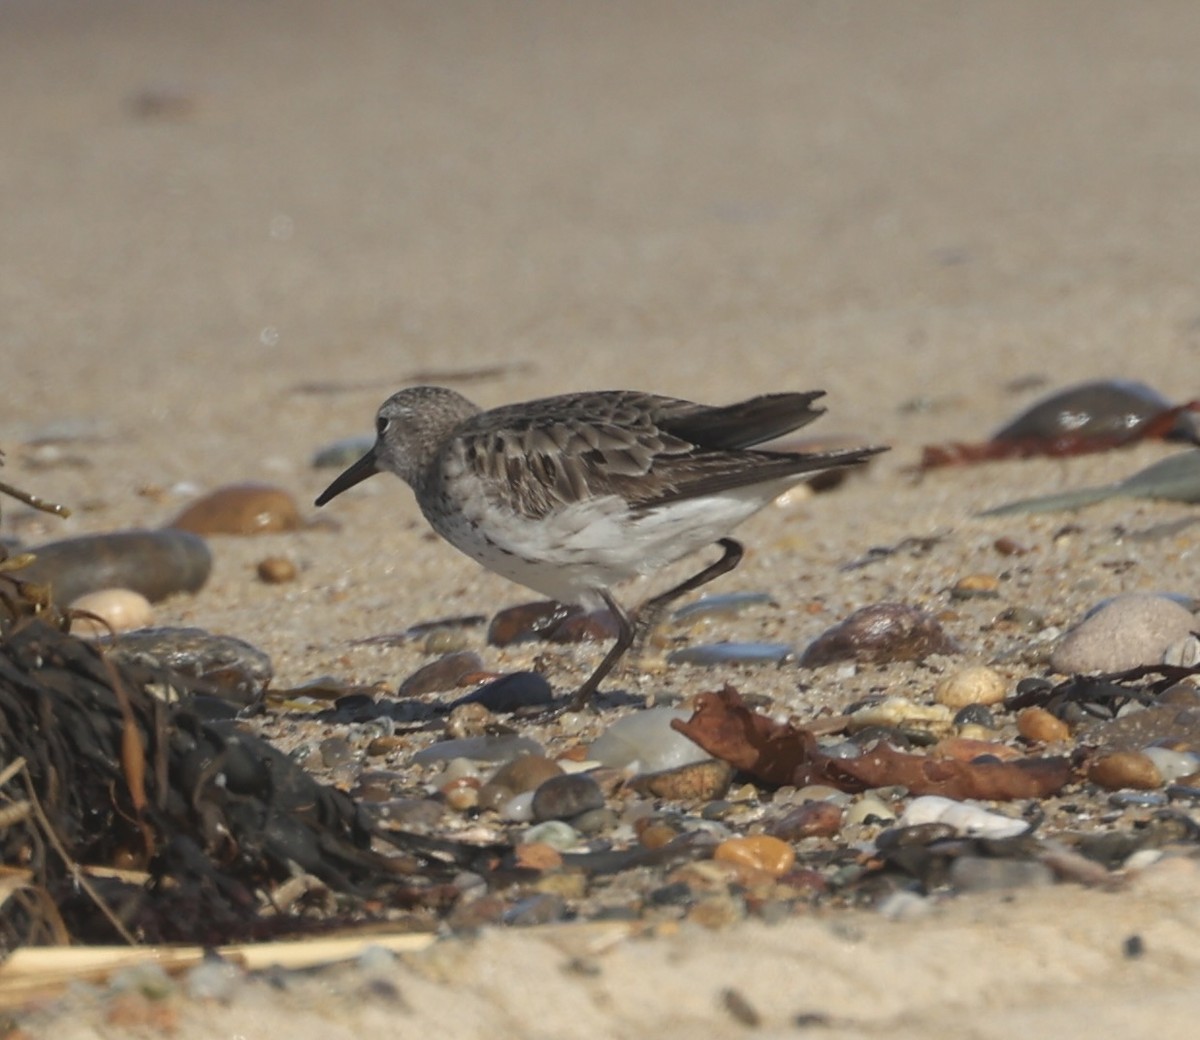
x=732, y=653
x=565, y=797
x=646, y=737
x=1127, y=632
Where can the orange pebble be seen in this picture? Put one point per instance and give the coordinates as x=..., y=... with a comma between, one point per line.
x=760, y=851
x=537, y=855
x=1038, y=725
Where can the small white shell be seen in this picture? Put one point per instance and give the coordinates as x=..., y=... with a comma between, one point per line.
x=970, y=820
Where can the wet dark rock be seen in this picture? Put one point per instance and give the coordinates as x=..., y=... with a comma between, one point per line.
x=236, y=670
x=445, y=673
x=511, y=693
x=1102, y=408
x=878, y=634
x=155, y=563
x=565, y=797
x=975, y=715
x=732, y=653
x=241, y=509
x=550, y=622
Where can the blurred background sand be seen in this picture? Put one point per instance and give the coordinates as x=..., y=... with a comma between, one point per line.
x=934, y=212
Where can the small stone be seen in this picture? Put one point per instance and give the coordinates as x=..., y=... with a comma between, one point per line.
x=1127, y=632
x=511, y=692
x=551, y=622
x=468, y=721
x=155, y=563
x=214, y=978
x=759, y=851
x=975, y=685
x=525, y=773
x=698, y=781
x=276, y=570
x=536, y=909
x=1041, y=727
x=869, y=809
x=709, y=654
x=445, y=673
x=653, y=832
x=899, y=711
x=1172, y=765
x=976, y=715
x=878, y=634
x=976, y=586
x=967, y=819
x=335, y=751
x=1125, y=769
x=462, y=794
x=564, y=797
x=120, y=610
x=553, y=833
x=810, y=820
x=646, y=737
x=596, y=821
x=238, y=671
x=537, y=855
x=446, y=640
x=487, y=748
x=244, y=509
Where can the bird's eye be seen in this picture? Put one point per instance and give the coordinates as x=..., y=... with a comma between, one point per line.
x=382, y=422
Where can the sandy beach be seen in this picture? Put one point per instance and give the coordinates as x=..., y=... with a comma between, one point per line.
x=228, y=231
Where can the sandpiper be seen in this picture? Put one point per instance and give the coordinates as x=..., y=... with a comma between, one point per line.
x=571, y=495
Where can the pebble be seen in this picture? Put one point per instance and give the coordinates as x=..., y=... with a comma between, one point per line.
x=900, y=711
x=524, y=773
x=511, y=693
x=732, y=653
x=565, y=797
x=758, y=851
x=537, y=855
x=537, y=909
x=551, y=622
x=1129, y=631
x=1098, y=408
x=810, y=820
x=335, y=751
x=1125, y=769
x=1172, y=765
x=468, y=720
x=976, y=586
x=976, y=685
x=341, y=453
x=596, y=821
x=1041, y=727
x=727, y=604
x=698, y=781
x=488, y=748
x=988, y=874
x=119, y=610
x=555, y=833
x=214, y=978
x=238, y=670
x=518, y=809
x=974, y=715
x=445, y=673
x=276, y=570
x=869, y=809
x=646, y=737
x=966, y=818
x=878, y=634
x=155, y=563
x=1174, y=720
x=241, y=509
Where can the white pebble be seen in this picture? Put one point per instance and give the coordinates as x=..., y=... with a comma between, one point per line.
x=123, y=610
x=867, y=807
x=976, y=685
x=519, y=808
x=1172, y=764
x=646, y=737
x=1126, y=632
x=968, y=819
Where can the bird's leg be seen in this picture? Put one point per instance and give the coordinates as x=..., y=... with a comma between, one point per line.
x=647, y=614
x=625, y=631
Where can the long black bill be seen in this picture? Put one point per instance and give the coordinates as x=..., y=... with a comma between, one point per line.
x=356, y=473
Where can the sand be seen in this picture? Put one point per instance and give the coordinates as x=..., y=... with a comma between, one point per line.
x=934, y=212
